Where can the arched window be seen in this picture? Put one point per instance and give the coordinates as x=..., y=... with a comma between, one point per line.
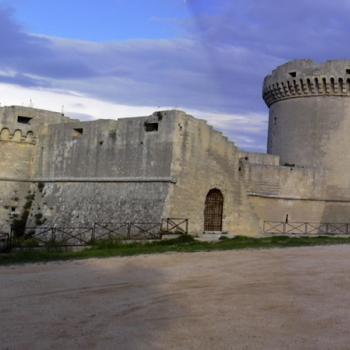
x=214, y=207
x=5, y=134
x=17, y=136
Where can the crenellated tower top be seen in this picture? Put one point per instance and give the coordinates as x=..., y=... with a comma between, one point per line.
x=306, y=78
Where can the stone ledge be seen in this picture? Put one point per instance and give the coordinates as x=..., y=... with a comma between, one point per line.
x=252, y=194
x=91, y=179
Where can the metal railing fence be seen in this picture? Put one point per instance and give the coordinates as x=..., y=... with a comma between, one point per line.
x=85, y=235
x=305, y=228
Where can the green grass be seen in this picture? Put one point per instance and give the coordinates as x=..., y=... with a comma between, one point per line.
x=182, y=244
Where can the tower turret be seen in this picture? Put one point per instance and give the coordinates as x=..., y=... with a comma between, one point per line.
x=309, y=121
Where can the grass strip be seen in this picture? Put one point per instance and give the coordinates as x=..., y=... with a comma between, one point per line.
x=106, y=249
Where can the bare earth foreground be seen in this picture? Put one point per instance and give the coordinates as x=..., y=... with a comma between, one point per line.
x=297, y=298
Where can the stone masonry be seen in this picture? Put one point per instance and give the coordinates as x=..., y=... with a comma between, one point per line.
x=58, y=171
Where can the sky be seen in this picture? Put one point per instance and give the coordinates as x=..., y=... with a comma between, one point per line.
x=119, y=58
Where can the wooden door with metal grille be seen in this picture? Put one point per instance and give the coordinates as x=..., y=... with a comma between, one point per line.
x=214, y=205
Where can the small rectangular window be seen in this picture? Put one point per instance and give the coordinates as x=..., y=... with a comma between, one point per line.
x=151, y=127
x=77, y=133
x=348, y=71
x=23, y=120
x=293, y=74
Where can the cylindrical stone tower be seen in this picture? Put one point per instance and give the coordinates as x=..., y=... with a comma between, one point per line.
x=309, y=123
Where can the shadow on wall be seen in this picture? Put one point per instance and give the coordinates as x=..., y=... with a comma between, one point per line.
x=334, y=213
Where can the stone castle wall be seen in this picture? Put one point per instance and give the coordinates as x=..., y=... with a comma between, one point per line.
x=59, y=171
x=106, y=171
x=204, y=159
x=135, y=169
x=19, y=131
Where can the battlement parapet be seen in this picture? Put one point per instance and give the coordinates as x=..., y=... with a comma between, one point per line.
x=305, y=78
x=17, y=136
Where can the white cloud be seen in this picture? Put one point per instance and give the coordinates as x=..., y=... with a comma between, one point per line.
x=7, y=73
x=71, y=102
x=246, y=130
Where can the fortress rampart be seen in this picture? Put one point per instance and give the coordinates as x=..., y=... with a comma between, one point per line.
x=56, y=171
x=307, y=79
x=63, y=172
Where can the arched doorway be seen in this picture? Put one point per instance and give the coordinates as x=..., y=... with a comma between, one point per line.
x=214, y=207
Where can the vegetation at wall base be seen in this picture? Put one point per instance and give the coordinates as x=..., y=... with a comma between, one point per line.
x=103, y=249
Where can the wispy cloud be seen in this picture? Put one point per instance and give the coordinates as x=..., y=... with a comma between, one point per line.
x=249, y=131
x=145, y=72
x=216, y=69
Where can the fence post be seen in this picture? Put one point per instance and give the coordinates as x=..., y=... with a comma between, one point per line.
x=129, y=230
x=53, y=234
x=93, y=232
x=305, y=227
x=10, y=241
x=186, y=226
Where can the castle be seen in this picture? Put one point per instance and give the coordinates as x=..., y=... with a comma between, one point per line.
x=57, y=171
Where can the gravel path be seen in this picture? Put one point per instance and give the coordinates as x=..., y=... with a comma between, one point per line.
x=297, y=298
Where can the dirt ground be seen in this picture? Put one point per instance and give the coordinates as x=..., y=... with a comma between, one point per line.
x=296, y=298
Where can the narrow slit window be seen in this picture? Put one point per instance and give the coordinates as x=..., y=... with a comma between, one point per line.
x=23, y=120
x=149, y=127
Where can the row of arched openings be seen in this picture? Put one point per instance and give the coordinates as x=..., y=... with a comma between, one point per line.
x=17, y=136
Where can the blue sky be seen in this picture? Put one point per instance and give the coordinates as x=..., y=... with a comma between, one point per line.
x=105, y=20
x=125, y=57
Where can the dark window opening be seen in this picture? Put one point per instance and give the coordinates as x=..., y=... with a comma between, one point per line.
x=101, y=143
x=151, y=127
x=159, y=115
x=348, y=71
x=13, y=209
x=293, y=74
x=77, y=133
x=275, y=121
x=23, y=120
